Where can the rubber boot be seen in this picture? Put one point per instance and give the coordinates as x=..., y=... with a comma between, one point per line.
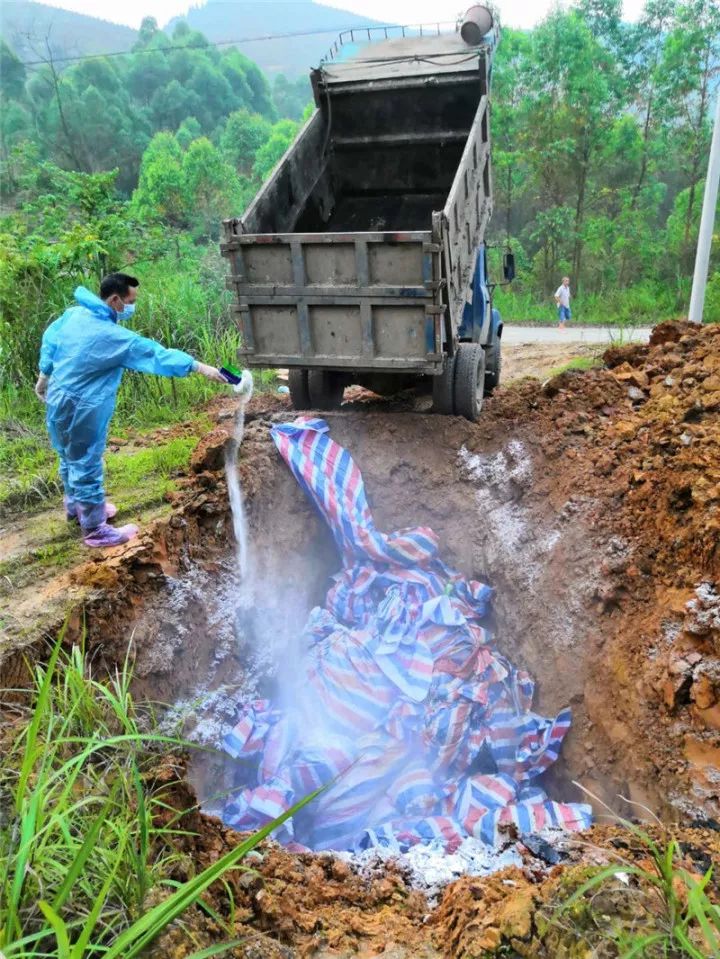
x=71, y=510
x=107, y=535
x=97, y=532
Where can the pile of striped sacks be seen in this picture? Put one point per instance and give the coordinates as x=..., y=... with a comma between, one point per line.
x=399, y=703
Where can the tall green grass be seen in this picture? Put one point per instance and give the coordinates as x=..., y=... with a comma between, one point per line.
x=85, y=853
x=28, y=465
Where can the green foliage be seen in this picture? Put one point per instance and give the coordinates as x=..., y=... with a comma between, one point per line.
x=12, y=73
x=188, y=131
x=600, y=133
x=581, y=363
x=291, y=97
x=283, y=133
x=161, y=191
x=212, y=185
x=80, y=230
x=78, y=832
x=642, y=304
x=192, y=188
x=28, y=465
x=242, y=137
x=712, y=299
x=100, y=114
x=88, y=837
x=134, y=468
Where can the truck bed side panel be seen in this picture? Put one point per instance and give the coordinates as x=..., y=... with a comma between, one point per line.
x=362, y=301
x=281, y=200
x=467, y=213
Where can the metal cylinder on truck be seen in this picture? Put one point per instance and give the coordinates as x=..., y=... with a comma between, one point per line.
x=477, y=23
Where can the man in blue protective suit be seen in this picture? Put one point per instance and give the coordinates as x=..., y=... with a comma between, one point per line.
x=82, y=358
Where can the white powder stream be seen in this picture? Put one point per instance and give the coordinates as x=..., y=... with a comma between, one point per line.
x=237, y=504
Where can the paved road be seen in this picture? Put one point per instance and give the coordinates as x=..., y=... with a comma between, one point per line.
x=518, y=335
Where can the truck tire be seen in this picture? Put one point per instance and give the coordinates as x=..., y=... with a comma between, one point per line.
x=444, y=389
x=326, y=389
x=299, y=392
x=493, y=366
x=469, y=380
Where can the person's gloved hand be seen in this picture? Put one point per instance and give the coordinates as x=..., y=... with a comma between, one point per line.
x=41, y=387
x=210, y=372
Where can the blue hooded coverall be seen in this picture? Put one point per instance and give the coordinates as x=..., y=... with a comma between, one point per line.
x=84, y=352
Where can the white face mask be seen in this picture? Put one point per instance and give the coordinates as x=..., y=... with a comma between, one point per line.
x=127, y=311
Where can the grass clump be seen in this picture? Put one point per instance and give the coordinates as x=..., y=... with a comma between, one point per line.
x=647, y=907
x=137, y=477
x=28, y=467
x=578, y=363
x=141, y=477
x=86, y=836
x=76, y=826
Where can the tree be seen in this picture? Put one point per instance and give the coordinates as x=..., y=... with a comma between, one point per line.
x=161, y=191
x=213, y=90
x=509, y=117
x=243, y=74
x=188, y=131
x=292, y=96
x=16, y=127
x=648, y=38
x=101, y=112
x=172, y=103
x=101, y=73
x=60, y=112
x=575, y=91
x=212, y=188
x=242, y=137
x=282, y=135
x=12, y=74
x=687, y=72
x=147, y=34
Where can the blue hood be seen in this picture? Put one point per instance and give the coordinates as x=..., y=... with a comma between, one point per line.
x=93, y=303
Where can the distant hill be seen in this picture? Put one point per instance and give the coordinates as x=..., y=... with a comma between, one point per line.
x=25, y=25
x=223, y=20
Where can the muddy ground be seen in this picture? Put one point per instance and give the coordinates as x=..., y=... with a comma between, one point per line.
x=590, y=502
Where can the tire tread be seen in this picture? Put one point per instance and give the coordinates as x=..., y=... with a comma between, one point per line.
x=469, y=369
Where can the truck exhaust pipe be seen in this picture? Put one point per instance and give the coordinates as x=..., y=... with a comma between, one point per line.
x=477, y=23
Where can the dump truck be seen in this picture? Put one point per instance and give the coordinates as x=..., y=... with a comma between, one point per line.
x=362, y=260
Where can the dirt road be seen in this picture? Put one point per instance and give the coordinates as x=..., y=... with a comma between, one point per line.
x=517, y=335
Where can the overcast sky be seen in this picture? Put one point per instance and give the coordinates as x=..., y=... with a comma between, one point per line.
x=516, y=13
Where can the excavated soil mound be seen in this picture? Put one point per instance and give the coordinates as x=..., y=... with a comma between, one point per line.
x=297, y=906
x=640, y=440
x=314, y=906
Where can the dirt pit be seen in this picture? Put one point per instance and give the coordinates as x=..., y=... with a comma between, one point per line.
x=514, y=505
x=590, y=503
x=497, y=495
x=208, y=641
